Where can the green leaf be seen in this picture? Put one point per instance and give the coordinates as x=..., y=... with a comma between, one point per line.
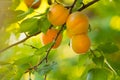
x=43, y=49
x=38, y=77
x=23, y=60
x=99, y=61
x=99, y=74
x=10, y=72
x=23, y=15
x=44, y=24
x=3, y=63
x=83, y=59
x=77, y=5
x=32, y=60
x=29, y=25
x=108, y=47
x=46, y=68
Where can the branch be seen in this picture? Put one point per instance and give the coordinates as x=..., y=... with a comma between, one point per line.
x=47, y=52
x=19, y=42
x=87, y=5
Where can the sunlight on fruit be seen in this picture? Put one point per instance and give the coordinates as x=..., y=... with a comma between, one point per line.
x=115, y=23
x=80, y=43
x=57, y=14
x=77, y=23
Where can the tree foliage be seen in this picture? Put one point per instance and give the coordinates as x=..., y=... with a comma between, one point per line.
x=23, y=55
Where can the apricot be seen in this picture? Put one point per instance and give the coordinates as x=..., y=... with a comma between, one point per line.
x=80, y=43
x=77, y=23
x=69, y=34
x=50, y=35
x=57, y=14
x=30, y=3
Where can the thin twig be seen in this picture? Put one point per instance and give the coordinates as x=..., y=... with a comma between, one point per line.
x=30, y=76
x=87, y=5
x=92, y=52
x=45, y=77
x=31, y=46
x=19, y=42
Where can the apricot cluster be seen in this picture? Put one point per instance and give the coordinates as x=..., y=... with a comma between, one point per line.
x=57, y=16
x=77, y=28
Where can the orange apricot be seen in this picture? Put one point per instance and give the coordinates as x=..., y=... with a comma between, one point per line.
x=30, y=3
x=50, y=35
x=69, y=34
x=77, y=23
x=57, y=14
x=80, y=43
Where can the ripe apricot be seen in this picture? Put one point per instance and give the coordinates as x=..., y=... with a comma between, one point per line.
x=69, y=34
x=57, y=14
x=30, y=3
x=77, y=23
x=50, y=35
x=80, y=43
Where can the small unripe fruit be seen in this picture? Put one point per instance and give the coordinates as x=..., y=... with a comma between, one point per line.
x=77, y=23
x=80, y=43
x=30, y=3
x=50, y=35
x=57, y=14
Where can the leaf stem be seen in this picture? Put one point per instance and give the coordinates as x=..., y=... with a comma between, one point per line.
x=105, y=61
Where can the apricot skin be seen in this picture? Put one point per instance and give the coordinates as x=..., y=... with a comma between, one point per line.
x=29, y=4
x=80, y=43
x=50, y=35
x=57, y=14
x=77, y=23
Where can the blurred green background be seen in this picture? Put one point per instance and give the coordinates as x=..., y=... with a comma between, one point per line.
x=64, y=63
